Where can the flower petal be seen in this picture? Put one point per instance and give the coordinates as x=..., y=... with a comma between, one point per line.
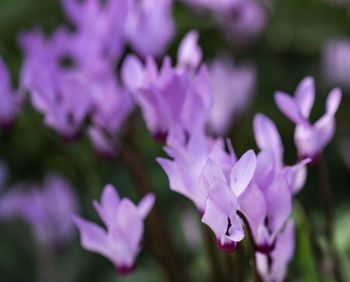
x=242, y=172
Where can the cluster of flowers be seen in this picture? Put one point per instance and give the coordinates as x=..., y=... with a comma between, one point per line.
x=71, y=77
x=176, y=103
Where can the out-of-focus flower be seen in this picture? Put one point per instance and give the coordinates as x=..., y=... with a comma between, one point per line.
x=124, y=223
x=9, y=100
x=149, y=26
x=99, y=31
x=189, y=157
x=336, y=62
x=233, y=89
x=276, y=269
x=243, y=21
x=47, y=209
x=171, y=97
x=310, y=139
x=60, y=95
x=240, y=20
x=223, y=199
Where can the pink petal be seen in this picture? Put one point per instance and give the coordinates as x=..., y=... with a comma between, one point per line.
x=267, y=137
x=93, y=237
x=242, y=172
x=288, y=106
x=333, y=101
x=305, y=96
x=146, y=204
x=132, y=73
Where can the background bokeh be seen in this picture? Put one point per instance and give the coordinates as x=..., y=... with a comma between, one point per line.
x=289, y=49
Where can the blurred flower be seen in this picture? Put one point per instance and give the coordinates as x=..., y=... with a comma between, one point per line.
x=310, y=139
x=46, y=209
x=276, y=269
x=240, y=20
x=171, y=97
x=233, y=89
x=9, y=100
x=149, y=26
x=99, y=30
x=243, y=21
x=336, y=62
x=124, y=222
x=102, y=143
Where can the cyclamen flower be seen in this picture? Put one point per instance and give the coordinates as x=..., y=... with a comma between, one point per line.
x=272, y=187
x=280, y=256
x=189, y=158
x=46, y=209
x=124, y=223
x=60, y=95
x=9, y=100
x=99, y=31
x=171, y=97
x=336, y=62
x=223, y=199
x=233, y=89
x=243, y=21
x=240, y=20
x=310, y=139
x=149, y=26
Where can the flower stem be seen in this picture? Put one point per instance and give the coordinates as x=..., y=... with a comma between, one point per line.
x=328, y=215
x=252, y=245
x=211, y=248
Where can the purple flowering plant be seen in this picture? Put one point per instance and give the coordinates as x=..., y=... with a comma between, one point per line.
x=104, y=97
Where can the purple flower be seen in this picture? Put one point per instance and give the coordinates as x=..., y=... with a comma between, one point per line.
x=223, y=199
x=310, y=139
x=171, y=97
x=275, y=271
x=189, y=158
x=270, y=192
x=124, y=223
x=9, y=100
x=336, y=62
x=149, y=26
x=99, y=30
x=242, y=21
x=46, y=209
x=233, y=89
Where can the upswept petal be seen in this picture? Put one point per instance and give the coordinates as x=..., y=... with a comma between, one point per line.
x=93, y=237
x=132, y=73
x=267, y=137
x=288, y=106
x=242, y=172
x=333, y=101
x=146, y=204
x=305, y=96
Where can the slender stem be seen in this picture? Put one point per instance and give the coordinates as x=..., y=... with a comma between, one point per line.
x=328, y=215
x=211, y=248
x=230, y=259
x=239, y=264
x=252, y=245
